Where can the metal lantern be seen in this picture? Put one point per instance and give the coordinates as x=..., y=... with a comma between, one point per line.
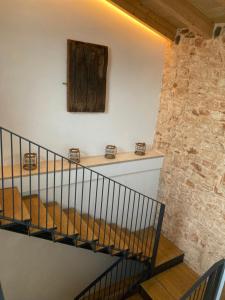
x=140, y=148
x=30, y=161
x=110, y=151
x=74, y=155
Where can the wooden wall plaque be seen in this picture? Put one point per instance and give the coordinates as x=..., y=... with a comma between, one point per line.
x=86, y=76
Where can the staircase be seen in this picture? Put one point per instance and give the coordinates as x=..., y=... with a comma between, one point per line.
x=65, y=202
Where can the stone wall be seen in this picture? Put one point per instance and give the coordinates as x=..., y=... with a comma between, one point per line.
x=191, y=133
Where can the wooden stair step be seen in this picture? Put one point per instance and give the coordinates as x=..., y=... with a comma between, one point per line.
x=171, y=284
x=131, y=239
x=61, y=221
x=20, y=212
x=39, y=215
x=85, y=232
x=167, y=250
x=114, y=236
x=99, y=230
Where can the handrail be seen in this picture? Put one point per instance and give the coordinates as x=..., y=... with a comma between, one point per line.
x=208, y=282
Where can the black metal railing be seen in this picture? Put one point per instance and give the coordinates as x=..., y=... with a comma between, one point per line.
x=1, y=293
x=207, y=286
x=68, y=200
x=118, y=281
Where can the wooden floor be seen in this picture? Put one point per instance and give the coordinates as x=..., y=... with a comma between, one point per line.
x=171, y=284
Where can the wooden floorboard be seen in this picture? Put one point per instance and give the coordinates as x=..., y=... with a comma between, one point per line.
x=173, y=283
x=60, y=219
x=85, y=232
x=39, y=216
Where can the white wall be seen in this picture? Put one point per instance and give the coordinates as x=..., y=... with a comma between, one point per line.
x=33, y=38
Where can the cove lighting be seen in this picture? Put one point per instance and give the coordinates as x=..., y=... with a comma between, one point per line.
x=132, y=18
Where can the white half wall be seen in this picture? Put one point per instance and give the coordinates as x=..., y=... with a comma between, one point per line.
x=102, y=198
x=34, y=269
x=33, y=67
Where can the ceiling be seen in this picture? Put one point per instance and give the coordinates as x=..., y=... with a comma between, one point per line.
x=213, y=9
x=166, y=16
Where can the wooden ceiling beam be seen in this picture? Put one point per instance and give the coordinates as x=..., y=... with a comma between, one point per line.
x=189, y=15
x=145, y=15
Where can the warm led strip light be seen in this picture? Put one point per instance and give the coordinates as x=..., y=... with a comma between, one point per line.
x=136, y=21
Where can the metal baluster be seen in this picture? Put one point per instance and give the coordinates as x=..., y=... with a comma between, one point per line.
x=30, y=193
x=140, y=229
x=12, y=173
x=198, y=291
x=132, y=217
x=46, y=190
x=116, y=280
x=39, y=186
x=136, y=222
x=61, y=200
x=143, y=239
x=54, y=192
x=117, y=213
x=82, y=199
x=105, y=287
x=96, y=200
x=107, y=204
x=103, y=185
x=75, y=203
x=89, y=293
x=2, y=171
x=121, y=276
x=125, y=273
x=128, y=209
x=68, y=203
x=194, y=294
x=21, y=176
x=203, y=290
x=153, y=230
x=89, y=202
x=124, y=200
x=94, y=290
x=100, y=285
x=158, y=232
x=110, y=281
x=113, y=198
x=149, y=231
x=131, y=271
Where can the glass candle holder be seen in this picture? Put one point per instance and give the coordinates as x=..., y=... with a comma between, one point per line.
x=140, y=148
x=74, y=155
x=110, y=151
x=30, y=161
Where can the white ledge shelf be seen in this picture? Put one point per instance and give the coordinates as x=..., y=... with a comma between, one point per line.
x=88, y=161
